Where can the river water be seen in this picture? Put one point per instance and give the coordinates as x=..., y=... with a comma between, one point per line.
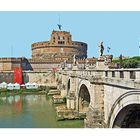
x=32, y=111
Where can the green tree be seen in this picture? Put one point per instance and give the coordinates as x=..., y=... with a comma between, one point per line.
x=130, y=63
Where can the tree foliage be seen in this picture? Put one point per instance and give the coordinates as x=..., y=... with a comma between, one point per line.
x=132, y=62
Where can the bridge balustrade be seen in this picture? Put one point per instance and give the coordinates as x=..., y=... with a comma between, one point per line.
x=132, y=75
x=92, y=72
x=78, y=72
x=106, y=73
x=117, y=74
x=128, y=74
x=87, y=73
x=137, y=75
x=113, y=73
x=123, y=73
x=84, y=72
x=109, y=74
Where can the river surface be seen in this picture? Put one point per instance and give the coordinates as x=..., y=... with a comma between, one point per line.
x=32, y=111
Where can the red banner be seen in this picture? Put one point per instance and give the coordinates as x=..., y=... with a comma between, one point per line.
x=18, y=75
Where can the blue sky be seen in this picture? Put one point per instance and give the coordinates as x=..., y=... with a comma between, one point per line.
x=118, y=30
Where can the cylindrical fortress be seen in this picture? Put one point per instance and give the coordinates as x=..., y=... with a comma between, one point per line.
x=60, y=47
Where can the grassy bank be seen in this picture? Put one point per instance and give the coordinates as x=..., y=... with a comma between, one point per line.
x=40, y=90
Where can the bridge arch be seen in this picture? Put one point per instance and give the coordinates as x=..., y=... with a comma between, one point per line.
x=125, y=112
x=84, y=98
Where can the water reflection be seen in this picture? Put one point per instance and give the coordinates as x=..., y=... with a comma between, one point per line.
x=17, y=104
x=3, y=99
x=10, y=99
x=17, y=98
x=31, y=111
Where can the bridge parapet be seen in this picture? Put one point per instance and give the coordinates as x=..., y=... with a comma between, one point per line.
x=73, y=74
x=129, y=74
x=128, y=78
x=96, y=79
x=125, y=77
x=84, y=72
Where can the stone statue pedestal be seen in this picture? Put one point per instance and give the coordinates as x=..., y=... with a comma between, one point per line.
x=100, y=64
x=101, y=58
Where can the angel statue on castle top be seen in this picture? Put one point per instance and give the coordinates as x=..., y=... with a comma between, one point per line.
x=101, y=48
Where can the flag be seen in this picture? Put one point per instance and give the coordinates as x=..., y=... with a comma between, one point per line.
x=108, y=49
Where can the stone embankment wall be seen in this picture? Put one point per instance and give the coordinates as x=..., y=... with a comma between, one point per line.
x=43, y=78
x=7, y=77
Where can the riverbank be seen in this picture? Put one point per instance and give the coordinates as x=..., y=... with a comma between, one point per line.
x=39, y=91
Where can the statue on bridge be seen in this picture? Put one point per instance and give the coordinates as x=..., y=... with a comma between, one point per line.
x=101, y=48
x=74, y=59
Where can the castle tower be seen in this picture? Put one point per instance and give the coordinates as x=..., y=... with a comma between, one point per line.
x=59, y=48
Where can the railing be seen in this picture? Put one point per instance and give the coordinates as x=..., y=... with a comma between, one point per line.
x=133, y=74
x=129, y=74
x=82, y=73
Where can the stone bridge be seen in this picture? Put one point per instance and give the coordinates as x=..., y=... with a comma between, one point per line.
x=108, y=97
